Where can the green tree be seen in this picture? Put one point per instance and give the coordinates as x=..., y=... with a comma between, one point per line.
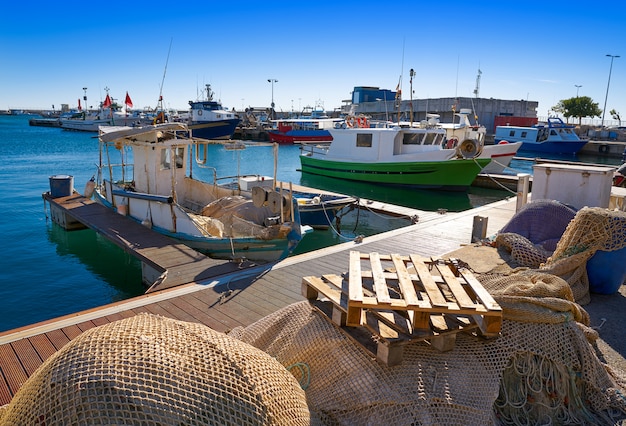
x=616, y=116
x=579, y=106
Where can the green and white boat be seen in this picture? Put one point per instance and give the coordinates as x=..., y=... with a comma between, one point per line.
x=394, y=154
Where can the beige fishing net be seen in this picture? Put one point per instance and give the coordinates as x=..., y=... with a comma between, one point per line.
x=541, y=370
x=150, y=370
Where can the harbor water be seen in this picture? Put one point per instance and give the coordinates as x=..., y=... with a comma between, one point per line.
x=47, y=272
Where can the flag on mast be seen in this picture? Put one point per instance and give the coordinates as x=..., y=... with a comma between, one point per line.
x=107, y=102
x=128, y=101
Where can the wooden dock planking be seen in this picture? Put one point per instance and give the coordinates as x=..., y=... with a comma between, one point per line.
x=253, y=296
x=182, y=264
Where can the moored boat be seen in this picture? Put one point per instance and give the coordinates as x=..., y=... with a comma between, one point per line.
x=209, y=120
x=396, y=155
x=165, y=196
x=553, y=137
x=310, y=126
x=109, y=113
x=500, y=153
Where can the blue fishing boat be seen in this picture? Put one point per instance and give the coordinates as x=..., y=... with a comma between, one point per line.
x=553, y=137
x=209, y=120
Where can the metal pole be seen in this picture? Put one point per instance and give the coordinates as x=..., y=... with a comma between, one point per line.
x=607, y=86
x=578, y=86
x=272, y=81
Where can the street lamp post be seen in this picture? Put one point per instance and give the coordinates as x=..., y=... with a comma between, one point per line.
x=272, y=81
x=578, y=86
x=607, y=85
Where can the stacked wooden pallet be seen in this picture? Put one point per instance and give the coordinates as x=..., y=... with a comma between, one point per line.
x=400, y=299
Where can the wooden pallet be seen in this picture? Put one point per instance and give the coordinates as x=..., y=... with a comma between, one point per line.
x=401, y=299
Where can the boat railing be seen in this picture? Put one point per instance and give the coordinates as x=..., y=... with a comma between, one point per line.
x=311, y=149
x=121, y=173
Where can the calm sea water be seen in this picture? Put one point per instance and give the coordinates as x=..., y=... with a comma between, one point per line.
x=47, y=272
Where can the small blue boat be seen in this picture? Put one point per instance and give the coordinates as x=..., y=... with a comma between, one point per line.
x=553, y=137
x=319, y=210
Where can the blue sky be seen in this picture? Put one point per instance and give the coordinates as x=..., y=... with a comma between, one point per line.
x=318, y=51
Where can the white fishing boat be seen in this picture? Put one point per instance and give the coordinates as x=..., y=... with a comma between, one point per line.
x=500, y=153
x=108, y=114
x=146, y=173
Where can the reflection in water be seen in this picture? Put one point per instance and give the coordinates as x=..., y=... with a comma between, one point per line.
x=422, y=199
x=101, y=257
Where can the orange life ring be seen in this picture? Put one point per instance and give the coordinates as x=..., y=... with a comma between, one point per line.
x=350, y=121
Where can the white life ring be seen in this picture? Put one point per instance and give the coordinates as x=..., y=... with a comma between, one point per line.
x=199, y=112
x=350, y=121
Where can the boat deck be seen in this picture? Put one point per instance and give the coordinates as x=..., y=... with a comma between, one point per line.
x=232, y=299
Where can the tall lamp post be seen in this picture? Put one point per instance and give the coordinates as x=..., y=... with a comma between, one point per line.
x=607, y=85
x=272, y=81
x=577, y=86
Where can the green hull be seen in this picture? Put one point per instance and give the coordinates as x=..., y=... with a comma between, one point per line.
x=451, y=174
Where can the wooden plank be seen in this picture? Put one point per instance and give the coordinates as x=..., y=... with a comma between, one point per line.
x=461, y=296
x=354, y=315
x=28, y=356
x=355, y=284
x=407, y=289
x=11, y=368
x=486, y=299
x=380, y=284
x=43, y=346
x=434, y=293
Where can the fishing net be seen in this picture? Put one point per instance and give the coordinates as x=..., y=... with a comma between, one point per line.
x=541, y=370
x=551, y=237
x=151, y=370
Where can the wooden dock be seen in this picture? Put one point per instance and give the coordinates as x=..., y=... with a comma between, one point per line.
x=165, y=263
x=232, y=298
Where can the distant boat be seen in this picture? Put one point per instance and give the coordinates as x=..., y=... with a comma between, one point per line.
x=310, y=126
x=164, y=196
x=553, y=137
x=209, y=120
x=396, y=155
x=108, y=114
x=500, y=153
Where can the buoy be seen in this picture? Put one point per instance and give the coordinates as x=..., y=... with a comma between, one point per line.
x=90, y=186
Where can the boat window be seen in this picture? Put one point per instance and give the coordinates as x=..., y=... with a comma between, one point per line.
x=511, y=133
x=364, y=140
x=179, y=155
x=411, y=139
x=429, y=138
x=524, y=134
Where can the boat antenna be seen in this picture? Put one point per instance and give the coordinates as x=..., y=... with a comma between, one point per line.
x=160, y=104
x=399, y=86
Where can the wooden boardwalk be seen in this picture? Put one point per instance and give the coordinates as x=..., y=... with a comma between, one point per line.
x=234, y=298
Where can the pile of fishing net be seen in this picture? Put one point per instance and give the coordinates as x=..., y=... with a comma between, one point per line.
x=296, y=367
x=553, y=238
x=151, y=370
x=541, y=370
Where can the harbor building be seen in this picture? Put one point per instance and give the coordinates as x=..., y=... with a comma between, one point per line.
x=383, y=104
